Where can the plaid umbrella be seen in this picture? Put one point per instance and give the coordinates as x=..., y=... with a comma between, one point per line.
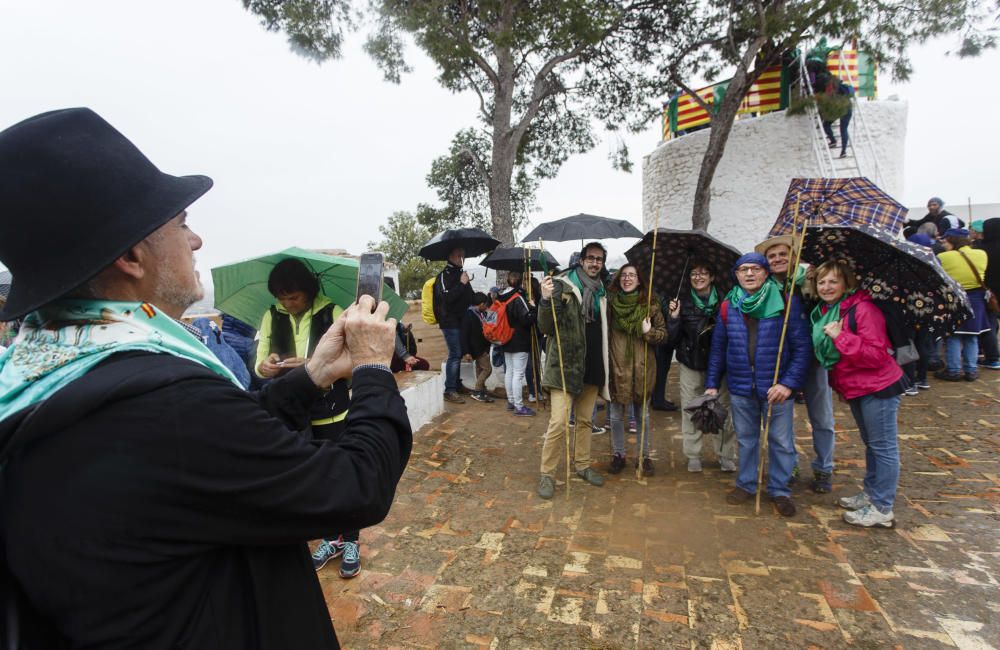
x=674, y=251
x=906, y=276
x=839, y=202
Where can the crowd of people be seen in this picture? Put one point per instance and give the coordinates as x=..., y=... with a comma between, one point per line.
x=599, y=333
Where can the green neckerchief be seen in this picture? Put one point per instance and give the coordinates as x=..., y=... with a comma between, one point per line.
x=594, y=309
x=62, y=341
x=706, y=308
x=823, y=346
x=766, y=302
x=627, y=312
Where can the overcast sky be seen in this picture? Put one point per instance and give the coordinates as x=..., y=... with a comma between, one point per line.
x=320, y=156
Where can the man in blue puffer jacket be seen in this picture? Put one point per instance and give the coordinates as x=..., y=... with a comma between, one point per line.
x=745, y=350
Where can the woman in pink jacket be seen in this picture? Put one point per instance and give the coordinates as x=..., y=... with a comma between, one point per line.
x=849, y=339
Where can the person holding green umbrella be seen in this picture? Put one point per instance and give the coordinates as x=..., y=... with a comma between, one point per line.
x=289, y=331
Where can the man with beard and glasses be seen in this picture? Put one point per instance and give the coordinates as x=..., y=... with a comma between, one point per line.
x=146, y=499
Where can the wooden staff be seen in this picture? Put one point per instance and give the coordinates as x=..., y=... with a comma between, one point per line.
x=762, y=447
x=535, y=353
x=562, y=373
x=645, y=350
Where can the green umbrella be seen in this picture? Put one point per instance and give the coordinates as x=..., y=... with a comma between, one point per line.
x=241, y=287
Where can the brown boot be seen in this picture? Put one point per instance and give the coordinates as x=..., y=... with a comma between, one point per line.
x=784, y=506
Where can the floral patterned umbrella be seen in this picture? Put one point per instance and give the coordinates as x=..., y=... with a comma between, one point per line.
x=674, y=251
x=839, y=202
x=907, y=276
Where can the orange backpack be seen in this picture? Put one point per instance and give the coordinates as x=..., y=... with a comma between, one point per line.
x=496, y=326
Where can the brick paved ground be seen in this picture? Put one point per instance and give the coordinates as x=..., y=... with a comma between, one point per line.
x=470, y=557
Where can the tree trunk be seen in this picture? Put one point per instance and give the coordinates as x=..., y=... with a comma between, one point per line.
x=722, y=126
x=502, y=169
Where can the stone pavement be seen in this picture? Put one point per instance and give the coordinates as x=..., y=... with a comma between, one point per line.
x=470, y=557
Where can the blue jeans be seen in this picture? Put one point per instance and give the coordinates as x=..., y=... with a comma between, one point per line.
x=513, y=376
x=616, y=416
x=819, y=405
x=748, y=417
x=876, y=418
x=961, y=352
x=453, y=366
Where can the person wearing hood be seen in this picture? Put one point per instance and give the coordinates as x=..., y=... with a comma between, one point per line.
x=968, y=267
x=693, y=316
x=475, y=347
x=576, y=362
x=937, y=215
x=146, y=499
x=816, y=391
x=745, y=351
x=990, y=244
x=634, y=328
x=849, y=338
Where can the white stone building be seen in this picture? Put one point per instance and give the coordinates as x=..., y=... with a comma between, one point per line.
x=762, y=156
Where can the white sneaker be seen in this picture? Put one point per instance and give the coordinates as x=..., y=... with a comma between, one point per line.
x=911, y=391
x=694, y=464
x=727, y=465
x=531, y=398
x=857, y=502
x=870, y=516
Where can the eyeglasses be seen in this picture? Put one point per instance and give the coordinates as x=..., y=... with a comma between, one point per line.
x=700, y=274
x=591, y=258
x=629, y=276
x=750, y=270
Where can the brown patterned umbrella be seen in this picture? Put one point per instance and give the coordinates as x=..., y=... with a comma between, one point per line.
x=674, y=251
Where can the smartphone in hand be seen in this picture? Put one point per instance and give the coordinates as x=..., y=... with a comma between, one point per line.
x=370, y=271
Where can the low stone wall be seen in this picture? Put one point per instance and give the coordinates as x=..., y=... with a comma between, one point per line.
x=423, y=393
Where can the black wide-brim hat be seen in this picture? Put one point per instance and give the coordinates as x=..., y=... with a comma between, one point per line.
x=75, y=194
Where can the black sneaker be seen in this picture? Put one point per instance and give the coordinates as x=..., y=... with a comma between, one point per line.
x=481, y=397
x=617, y=464
x=821, y=483
x=971, y=376
x=946, y=375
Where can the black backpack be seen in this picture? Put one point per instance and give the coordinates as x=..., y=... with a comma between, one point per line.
x=904, y=350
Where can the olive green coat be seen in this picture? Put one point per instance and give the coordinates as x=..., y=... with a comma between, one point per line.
x=626, y=376
x=572, y=337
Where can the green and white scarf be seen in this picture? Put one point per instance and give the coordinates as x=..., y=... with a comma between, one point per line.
x=706, y=307
x=62, y=341
x=766, y=302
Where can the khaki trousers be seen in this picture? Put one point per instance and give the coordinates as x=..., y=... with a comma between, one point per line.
x=554, y=446
x=693, y=385
x=484, y=368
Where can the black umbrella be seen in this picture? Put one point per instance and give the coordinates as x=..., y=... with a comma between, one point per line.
x=674, y=251
x=516, y=258
x=473, y=240
x=583, y=226
x=905, y=276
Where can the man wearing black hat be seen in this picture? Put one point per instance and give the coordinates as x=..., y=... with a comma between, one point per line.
x=146, y=501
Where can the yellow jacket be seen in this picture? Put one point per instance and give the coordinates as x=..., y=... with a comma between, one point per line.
x=300, y=329
x=955, y=266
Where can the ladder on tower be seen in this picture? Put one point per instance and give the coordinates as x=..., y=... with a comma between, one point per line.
x=860, y=157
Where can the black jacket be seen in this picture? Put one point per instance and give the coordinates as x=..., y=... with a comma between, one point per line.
x=991, y=244
x=912, y=225
x=153, y=504
x=453, y=296
x=522, y=320
x=473, y=342
x=691, y=334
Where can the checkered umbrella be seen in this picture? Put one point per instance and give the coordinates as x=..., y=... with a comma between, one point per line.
x=907, y=276
x=674, y=251
x=839, y=202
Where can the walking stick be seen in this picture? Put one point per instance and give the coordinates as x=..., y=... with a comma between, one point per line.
x=562, y=372
x=535, y=353
x=762, y=447
x=645, y=350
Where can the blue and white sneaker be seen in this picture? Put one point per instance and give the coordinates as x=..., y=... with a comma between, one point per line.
x=350, y=566
x=326, y=551
x=870, y=516
x=992, y=365
x=857, y=502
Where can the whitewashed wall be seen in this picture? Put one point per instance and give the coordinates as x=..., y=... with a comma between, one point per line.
x=762, y=156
